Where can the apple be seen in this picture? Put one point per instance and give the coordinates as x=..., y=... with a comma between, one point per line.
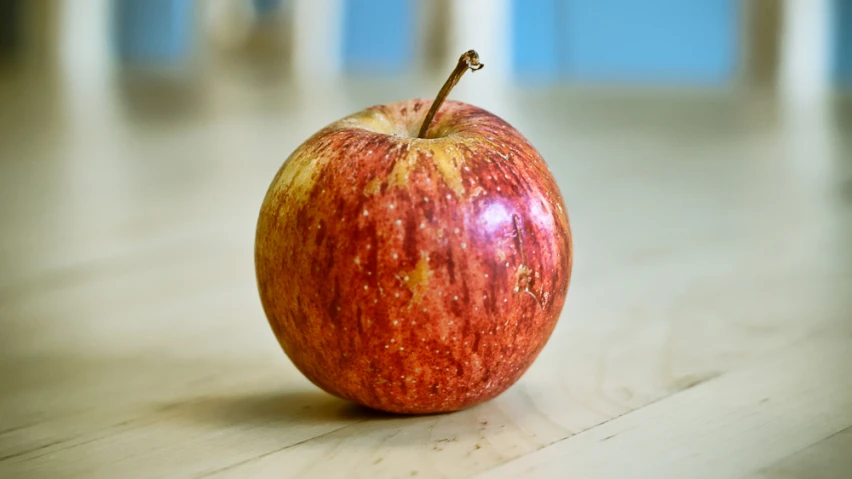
x=414, y=272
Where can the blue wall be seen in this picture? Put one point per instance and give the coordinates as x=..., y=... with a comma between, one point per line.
x=694, y=41
x=266, y=7
x=843, y=42
x=154, y=30
x=652, y=41
x=535, y=26
x=379, y=35
x=656, y=41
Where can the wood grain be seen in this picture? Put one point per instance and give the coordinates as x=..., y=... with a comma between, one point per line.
x=735, y=425
x=706, y=331
x=828, y=458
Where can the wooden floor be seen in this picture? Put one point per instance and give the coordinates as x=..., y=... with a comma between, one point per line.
x=707, y=333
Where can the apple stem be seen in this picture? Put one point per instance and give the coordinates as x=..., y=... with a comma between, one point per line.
x=468, y=60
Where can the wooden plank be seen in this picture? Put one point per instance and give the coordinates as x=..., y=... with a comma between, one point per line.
x=827, y=459
x=733, y=426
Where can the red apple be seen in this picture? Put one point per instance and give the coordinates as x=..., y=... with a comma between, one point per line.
x=414, y=275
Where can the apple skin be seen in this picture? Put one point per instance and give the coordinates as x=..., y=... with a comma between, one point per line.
x=414, y=275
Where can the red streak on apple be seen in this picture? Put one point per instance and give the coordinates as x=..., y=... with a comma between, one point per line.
x=414, y=275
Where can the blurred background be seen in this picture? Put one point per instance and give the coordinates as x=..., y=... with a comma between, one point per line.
x=139, y=127
x=703, y=147
x=127, y=126
x=712, y=43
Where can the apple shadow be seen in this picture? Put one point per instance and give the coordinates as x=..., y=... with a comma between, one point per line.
x=267, y=421
x=284, y=408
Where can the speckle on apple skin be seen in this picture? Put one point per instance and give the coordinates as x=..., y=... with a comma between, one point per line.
x=434, y=283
